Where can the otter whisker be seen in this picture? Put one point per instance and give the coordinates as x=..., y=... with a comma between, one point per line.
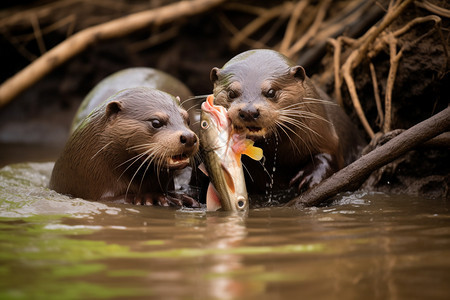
x=306, y=145
x=194, y=98
x=148, y=160
x=299, y=124
x=296, y=123
x=194, y=107
x=101, y=149
x=301, y=112
x=134, y=159
x=322, y=101
x=305, y=115
x=150, y=153
x=281, y=125
x=139, y=155
x=134, y=175
x=141, y=146
x=291, y=141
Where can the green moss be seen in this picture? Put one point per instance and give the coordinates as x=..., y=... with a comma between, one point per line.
x=69, y=291
x=127, y=273
x=77, y=270
x=154, y=243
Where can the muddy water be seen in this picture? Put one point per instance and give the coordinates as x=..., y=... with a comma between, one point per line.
x=364, y=246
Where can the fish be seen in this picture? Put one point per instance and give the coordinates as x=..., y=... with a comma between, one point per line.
x=222, y=149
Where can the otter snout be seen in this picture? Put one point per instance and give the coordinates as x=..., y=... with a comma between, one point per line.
x=249, y=113
x=188, y=139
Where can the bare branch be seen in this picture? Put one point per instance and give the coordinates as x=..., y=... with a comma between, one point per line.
x=81, y=40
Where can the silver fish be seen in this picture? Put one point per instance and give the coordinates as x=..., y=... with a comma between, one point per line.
x=222, y=149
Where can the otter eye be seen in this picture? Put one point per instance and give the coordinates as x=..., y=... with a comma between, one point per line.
x=232, y=94
x=156, y=123
x=270, y=93
x=204, y=124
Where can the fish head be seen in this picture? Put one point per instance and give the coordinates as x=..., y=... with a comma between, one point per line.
x=214, y=125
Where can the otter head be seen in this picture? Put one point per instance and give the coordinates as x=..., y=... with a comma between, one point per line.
x=149, y=126
x=256, y=86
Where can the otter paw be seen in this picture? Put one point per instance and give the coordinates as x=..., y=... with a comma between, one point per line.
x=159, y=199
x=184, y=200
x=314, y=172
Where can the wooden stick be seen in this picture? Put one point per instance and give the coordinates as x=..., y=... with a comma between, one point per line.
x=290, y=29
x=347, y=74
x=394, y=60
x=352, y=176
x=336, y=68
x=376, y=93
x=89, y=36
x=311, y=31
x=257, y=23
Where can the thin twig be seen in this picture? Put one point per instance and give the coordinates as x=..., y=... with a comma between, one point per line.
x=394, y=59
x=433, y=8
x=233, y=30
x=336, y=68
x=311, y=31
x=376, y=93
x=257, y=23
x=347, y=74
x=38, y=33
x=290, y=29
x=154, y=39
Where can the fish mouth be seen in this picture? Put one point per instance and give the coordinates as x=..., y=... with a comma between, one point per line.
x=178, y=161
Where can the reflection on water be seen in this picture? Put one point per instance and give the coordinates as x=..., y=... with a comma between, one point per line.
x=374, y=246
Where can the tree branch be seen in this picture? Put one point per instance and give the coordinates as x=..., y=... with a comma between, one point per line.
x=81, y=40
x=352, y=176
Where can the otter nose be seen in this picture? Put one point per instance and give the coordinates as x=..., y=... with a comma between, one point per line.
x=188, y=139
x=249, y=113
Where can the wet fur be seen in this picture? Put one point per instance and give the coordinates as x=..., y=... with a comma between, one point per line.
x=303, y=128
x=116, y=152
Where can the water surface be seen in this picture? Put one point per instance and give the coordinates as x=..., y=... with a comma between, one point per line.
x=370, y=246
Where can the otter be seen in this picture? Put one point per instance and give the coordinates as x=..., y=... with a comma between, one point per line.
x=305, y=136
x=128, y=148
x=129, y=78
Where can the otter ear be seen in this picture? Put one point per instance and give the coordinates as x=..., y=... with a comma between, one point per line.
x=298, y=72
x=214, y=75
x=112, y=109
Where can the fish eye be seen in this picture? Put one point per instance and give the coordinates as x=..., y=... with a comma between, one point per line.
x=204, y=124
x=241, y=204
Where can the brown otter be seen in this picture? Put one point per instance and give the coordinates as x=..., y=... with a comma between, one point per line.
x=125, y=79
x=128, y=148
x=304, y=135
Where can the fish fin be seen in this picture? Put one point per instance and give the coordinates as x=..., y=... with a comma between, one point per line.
x=251, y=151
x=212, y=199
x=228, y=179
x=202, y=168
